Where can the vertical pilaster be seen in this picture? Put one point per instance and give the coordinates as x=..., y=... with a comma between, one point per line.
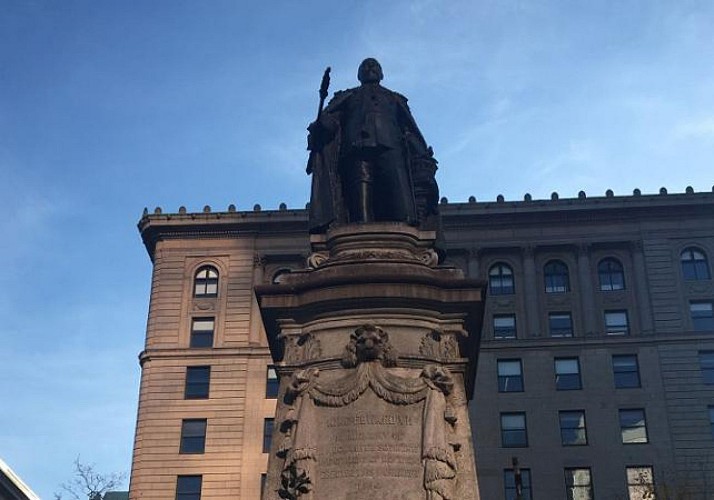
x=474, y=263
x=587, y=295
x=641, y=288
x=530, y=292
x=256, y=335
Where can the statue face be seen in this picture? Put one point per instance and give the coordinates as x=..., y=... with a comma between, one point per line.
x=370, y=71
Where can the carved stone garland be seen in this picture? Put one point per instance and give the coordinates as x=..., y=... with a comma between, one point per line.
x=370, y=354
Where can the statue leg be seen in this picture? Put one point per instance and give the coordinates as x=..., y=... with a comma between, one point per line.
x=395, y=198
x=359, y=191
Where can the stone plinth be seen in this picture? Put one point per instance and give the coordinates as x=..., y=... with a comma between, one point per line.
x=376, y=345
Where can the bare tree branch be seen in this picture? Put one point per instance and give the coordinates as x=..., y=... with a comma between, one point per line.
x=88, y=484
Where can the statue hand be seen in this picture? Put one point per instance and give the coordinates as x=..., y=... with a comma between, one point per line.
x=315, y=137
x=315, y=128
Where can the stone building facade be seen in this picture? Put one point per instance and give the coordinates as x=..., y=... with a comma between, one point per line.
x=597, y=359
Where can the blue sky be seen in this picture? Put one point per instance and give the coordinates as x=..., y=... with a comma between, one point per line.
x=110, y=106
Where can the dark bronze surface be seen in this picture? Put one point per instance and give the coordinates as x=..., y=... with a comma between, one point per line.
x=369, y=161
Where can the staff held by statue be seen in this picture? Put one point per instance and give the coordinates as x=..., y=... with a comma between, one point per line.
x=324, y=85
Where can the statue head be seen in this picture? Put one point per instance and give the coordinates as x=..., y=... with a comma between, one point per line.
x=370, y=71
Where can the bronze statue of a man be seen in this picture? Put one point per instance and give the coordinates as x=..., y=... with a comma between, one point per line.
x=368, y=158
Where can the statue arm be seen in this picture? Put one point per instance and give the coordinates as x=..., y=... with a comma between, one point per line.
x=417, y=143
x=324, y=129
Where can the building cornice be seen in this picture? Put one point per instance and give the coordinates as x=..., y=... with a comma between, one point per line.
x=185, y=353
x=159, y=226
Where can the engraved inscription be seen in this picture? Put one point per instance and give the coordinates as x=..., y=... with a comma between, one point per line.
x=371, y=442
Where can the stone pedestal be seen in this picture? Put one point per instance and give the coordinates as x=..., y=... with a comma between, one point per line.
x=376, y=347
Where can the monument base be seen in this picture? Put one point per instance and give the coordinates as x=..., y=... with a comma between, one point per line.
x=375, y=345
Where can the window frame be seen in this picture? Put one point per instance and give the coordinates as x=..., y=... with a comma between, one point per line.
x=509, y=478
x=607, y=269
x=570, y=483
x=564, y=386
x=197, y=389
x=272, y=384
x=702, y=322
x=613, y=328
x=511, y=431
x=625, y=427
x=560, y=332
x=198, y=337
x=556, y=276
x=268, y=428
x=193, y=440
x=501, y=279
x=205, y=282
x=513, y=329
x=581, y=430
x=693, y=268
x=503, y=380
x=622, y=377
x=649, y=486
x=706, y=366
x=279, y=274
x=191, y=494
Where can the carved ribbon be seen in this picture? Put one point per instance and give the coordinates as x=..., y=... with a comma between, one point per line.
x=298, y=446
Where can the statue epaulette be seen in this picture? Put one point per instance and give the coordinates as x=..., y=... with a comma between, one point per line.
x=400, y=96
x=339, y=97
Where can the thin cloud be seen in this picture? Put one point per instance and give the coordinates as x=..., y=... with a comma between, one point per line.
x=702, y=128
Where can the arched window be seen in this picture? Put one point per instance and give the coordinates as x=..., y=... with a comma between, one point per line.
x=694, y=264
x=556, y=277
x=611, y=274
x=500, y=280
x=280, y=275
x=205, y=283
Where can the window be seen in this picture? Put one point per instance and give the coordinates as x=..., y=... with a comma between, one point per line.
x=706, y=365
x=694, y=265
x=280, y=275
x=198, y=380
x=263, y=480
x=556, y=277
x=572, y=428
x=626, y=371
x=616, y=323
x=205, y=283
x=560, y=324
x=711, y=419
x=640, y=483
x=702, y=316
x=513, y=430
x=188, y=488
x=272, y=384
x=578, y=484
x=567, y=374
x=504, y=326
x=509, y=480
x=510, y=375
x=267, y=434
x=633, y=426
x=193, y=436
x=202, y=332
x=500, y=280
x=611, y=275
